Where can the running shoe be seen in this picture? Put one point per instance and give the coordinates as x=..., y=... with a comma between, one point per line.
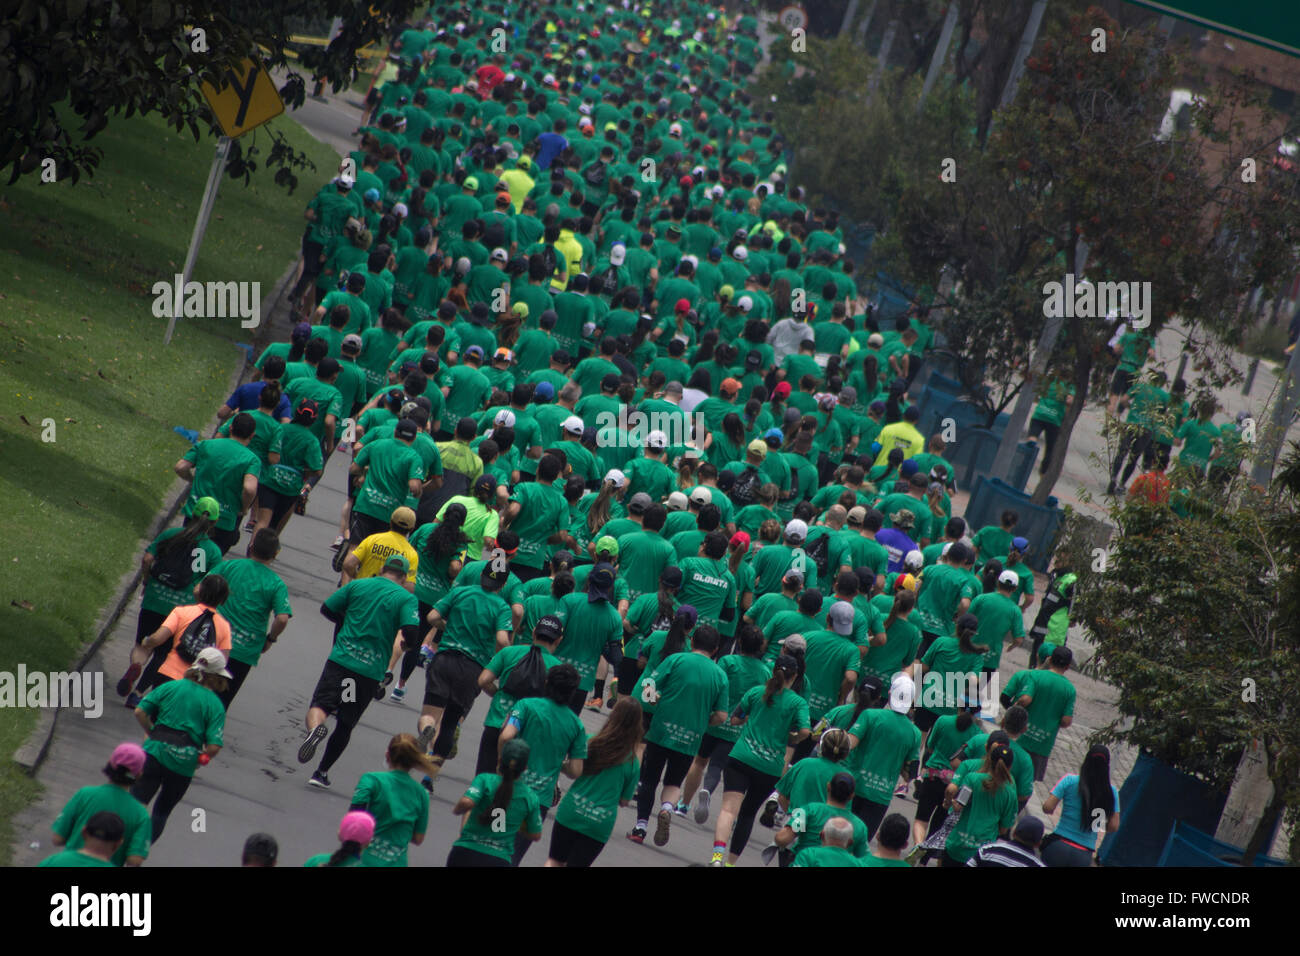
x=250, y=523
x=769, y=853
x=768, y=819
x=382, y=687
x=319, y=781
x=398, y=695
x=683, y=809
x=308, y=748
x=702, y=806
x=637, y=835
x=427, y=783
x=595, y=704
x=662, y=822
x=716, y=859
x=339, y=557
x=128, y=680
x=133, y=700
x=300, y=504
x=613, y=694
x=426, y=738
x=338, y=543
x=901, y=790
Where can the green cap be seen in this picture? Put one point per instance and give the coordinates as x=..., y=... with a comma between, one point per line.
x=208, y=508
x=471, y=182
x=514, y=754
x=726, y=291
x=607, y=545
x=397, y=562
x=1045, y=651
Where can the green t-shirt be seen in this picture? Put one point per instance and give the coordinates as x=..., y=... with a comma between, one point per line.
x=588, y=627
x=828, y=658
x=390, y=466
x=68, y=858
x=184, y=705
x=998, y=615
x=691, y=688
x=743, y=673
x=1199, y=438
x=642, y=557
x=320, y=859
x=806, y=781
x=543, y=512
x=902, y=642
x=887, y=741
x=161, y=599
x=991, y=542
x=473, y=618
x=88, y=801
x=400, y=807
x=256, y=593
x=590, y=806
x=808, y=819
x=766, y=733
x=299, y=452
x=1053, y=698
x=502, y=664
x=497, y=837
x=432, y=574
x=987, y=814
x=827, y=856
x=947, y=672
x=373, y=611
x=220, y=465
x=710, y=588
x=1022, y=765
x=945, y=740
x=555, y=734
x=942, y=589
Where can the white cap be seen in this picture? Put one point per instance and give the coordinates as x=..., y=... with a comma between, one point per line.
x=914, y=559
x=946, y=548
x=617, y=477
x=796, y=529
x=400, y=210
x=675, y=129
x=585, y=121
x=702, y=496
x=717, y=192
x=657, y=439
x=505, y=418
x=346, y=180
x=1009, y=577
x=744, y=303
x=463, y=265
x=500, y=255
x=677, y=501
x=740, y=253
x=210, y=660
x=618, y=254
x=902, y=691
x=573, y=425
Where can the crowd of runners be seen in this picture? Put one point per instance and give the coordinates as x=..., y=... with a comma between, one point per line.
x=622, y=437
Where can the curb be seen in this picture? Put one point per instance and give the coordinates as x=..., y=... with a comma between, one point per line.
x=36, y=747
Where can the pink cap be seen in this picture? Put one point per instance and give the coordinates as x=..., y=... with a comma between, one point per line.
x=357, y=827
x=129, y=757
x=740, y=539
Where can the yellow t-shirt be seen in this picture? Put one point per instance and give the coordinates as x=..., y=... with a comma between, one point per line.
x=376, y=549
x=899, y=435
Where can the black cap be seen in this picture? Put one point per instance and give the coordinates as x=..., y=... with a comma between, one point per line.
x=262, y=845
x=406, y=429
x=105, y=825
x=671, y=576
x=550, y=627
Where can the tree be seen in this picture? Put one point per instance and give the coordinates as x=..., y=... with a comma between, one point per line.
x=94, y=61
x=1074, y=160
x=1196, y=621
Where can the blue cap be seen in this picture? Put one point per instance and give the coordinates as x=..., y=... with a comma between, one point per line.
x=875, y=447
x=876, y=406
x=774, y=433
x=372, y=195
x=544, y=390
x=474, y=350
x=1020, y=544
x=715, y=253
x=908, y=468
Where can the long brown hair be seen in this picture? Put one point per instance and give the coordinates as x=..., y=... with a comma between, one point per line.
x=904, y=601
x=997, y=764
x=405, y=753
x=616, y=740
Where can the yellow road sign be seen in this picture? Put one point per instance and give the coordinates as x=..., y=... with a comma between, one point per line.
x=246, y=99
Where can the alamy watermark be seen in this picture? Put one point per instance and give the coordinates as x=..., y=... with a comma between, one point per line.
x=208, y=300
x=1088, y=300
x=633, y=429
x=79, y=690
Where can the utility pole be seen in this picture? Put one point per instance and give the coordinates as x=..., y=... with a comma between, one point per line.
x=1026, y=44
x=882, y=59
x=940, y=53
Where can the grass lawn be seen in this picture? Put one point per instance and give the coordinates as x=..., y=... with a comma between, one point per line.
x=79, y=344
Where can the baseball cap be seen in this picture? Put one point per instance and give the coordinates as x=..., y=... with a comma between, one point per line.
x=905, y=582
x=301, y=332
x=524, y=162
x=503, y=354
x=857, y=514
x=730, y=386
x=128, y=757
x=1020, y=544
x=504, y=418
x=739, y=540
x=607, y=544
x=795, y=642
x=346, y=181
x=796, y=529
x=371, y=195
x=486, y=482
x=403, y=517
x=208, y=508
x=914, y=559
x=639, y=503
x=106, y=825
x=908, y=468
x=902, y=691
x=405, y=429
x=471, y=182
x=745, y=303
x=781, y=390
x=397, y=562
x=550, y=626
x=702, y=496
x=544, y=390
x=617, y=255
x=600, y=583
x=351, y=342
x=677, y=501
x=617, y=477
x=1029, y=830
x=758, y=447
x=357, y=826
x=726, y=291
x=774, y=435
x=475, y=350
x=656, y=439
x=841, y=615
x=573, y=425
x=794, y=574
x=740, y=253
x=1009, y=577
x=212, y=661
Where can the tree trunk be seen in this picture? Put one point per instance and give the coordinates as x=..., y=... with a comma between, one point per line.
x=1272, y=812
x=1082, y=373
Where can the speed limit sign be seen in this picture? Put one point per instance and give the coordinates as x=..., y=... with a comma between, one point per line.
x=793, y=17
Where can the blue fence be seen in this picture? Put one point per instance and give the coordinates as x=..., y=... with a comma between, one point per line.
x=991, y=496
x=1188, y=846
x=973, y=452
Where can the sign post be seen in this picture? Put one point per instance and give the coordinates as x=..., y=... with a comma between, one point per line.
x=246, y=99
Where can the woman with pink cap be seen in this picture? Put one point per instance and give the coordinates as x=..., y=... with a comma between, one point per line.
x=123, y=769
x=356, y=830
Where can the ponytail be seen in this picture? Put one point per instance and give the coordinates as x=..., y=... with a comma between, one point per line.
x=787, y=665
x=189, y=536
x=675, y=642
x=405, y=753
x=510, y=769
x=598, y=513
x=904, y=601
x=349, y=850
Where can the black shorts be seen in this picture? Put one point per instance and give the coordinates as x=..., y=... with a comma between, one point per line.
x=1040, y=765
x=924, y=719
x=1121, y=382
x=277, y=503
x=453, y=679
x=573, y=848
x=740, y=777
x=709, y=744
x=929, y=797
x=627, y=675
x=363, y=526
x=328, y=695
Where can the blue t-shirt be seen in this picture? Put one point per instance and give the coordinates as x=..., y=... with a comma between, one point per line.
x=897, y=544
x=246, y=397
x=1072, y=826
x=551, y=145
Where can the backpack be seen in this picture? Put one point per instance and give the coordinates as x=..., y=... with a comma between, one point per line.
x=745, y=490
x=172, y=568
x=550, y=260
x=528, y=677
x=198, y=634
x=595, y=175
x=819, y=552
